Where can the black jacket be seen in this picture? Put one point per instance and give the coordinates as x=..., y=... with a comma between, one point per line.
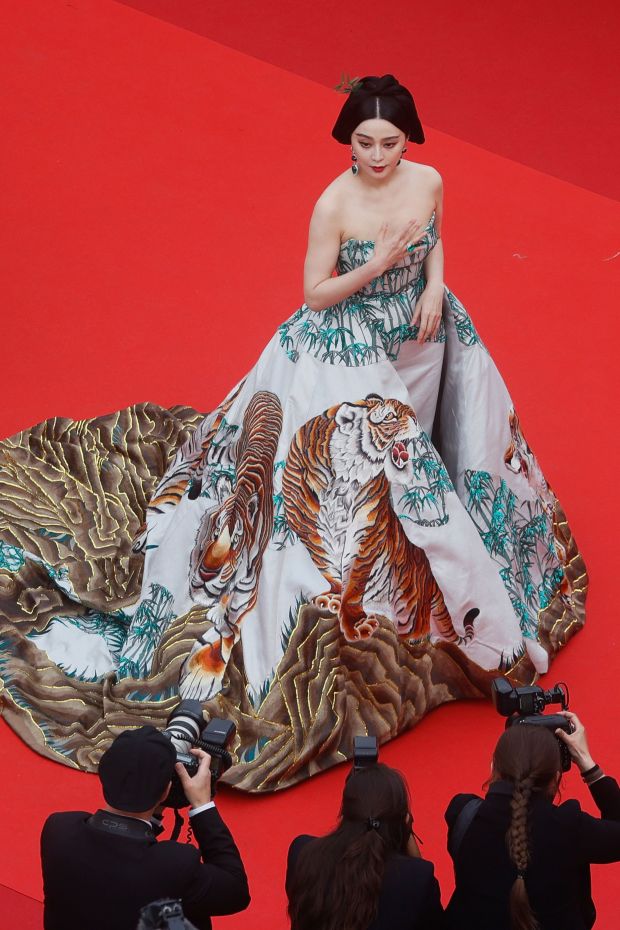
x=97, y=880
x=409, y=898
x=564, y=840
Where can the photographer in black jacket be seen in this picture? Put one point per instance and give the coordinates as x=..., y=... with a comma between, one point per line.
x=520, y=861
x=367, y=874
x=100, y=869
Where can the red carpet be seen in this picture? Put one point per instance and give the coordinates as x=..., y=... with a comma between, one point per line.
x=155, y=212
x=19, y=911
x=535, y=82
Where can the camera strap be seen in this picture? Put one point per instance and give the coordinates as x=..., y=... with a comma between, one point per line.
x=462, y=825
x=127, y=827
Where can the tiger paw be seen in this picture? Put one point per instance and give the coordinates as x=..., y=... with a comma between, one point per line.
x=362, y=628
x=365, y=627
x=329, y=602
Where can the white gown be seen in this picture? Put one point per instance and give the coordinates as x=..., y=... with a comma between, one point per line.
x=358, y=533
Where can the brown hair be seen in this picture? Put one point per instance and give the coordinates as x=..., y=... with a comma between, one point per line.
x=336, y=879
x=529, y=757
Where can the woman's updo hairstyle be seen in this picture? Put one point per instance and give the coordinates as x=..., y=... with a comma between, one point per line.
x=378, y=98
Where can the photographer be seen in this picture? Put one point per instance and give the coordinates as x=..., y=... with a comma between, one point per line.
x=520, y=861
x=99, y=870
x=366, y=874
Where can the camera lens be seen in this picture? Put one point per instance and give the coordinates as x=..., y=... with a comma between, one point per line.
x=184, y=725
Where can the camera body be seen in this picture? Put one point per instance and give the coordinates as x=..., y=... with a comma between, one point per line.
x=526, y=705
x=166, y=914
x=365, y=752
x=186, y=729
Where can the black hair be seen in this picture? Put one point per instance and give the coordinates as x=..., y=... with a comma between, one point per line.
x=378, y=98
x=336, y=880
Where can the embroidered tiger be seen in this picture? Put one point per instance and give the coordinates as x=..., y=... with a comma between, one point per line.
x=520, y=459
x=336, y=486
x=225, y=563
x=187, y=467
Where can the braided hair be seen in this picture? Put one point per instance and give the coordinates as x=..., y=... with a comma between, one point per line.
x=529, y=757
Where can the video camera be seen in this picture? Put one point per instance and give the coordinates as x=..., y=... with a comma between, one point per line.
x=527, y=705
x=186, y=729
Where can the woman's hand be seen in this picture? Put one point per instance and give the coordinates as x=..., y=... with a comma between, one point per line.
x=391, y=245
x=577, y=742
x=428, y=311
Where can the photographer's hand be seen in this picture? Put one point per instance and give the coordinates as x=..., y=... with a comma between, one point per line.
x=197, y=789
x=577, y=742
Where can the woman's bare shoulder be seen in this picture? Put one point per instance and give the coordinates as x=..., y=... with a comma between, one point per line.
x=425, y=173
x=329, y=204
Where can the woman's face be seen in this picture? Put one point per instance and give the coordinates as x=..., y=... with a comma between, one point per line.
x=378, y=146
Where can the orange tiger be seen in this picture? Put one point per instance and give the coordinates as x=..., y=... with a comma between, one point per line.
x=337, y=500
x=226, y=561
x=186, y=468
x=520, y=459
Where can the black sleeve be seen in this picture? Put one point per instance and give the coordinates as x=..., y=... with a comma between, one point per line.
x=293, y=852
x=219, y=884
x=455, y=807
x=598, y=840
x=606, y=794
x=431, y=912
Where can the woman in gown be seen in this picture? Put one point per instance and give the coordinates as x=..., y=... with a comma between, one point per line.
x=358, y=533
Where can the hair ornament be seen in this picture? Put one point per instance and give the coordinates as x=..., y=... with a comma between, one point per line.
x=372, y=824
x=347, y=84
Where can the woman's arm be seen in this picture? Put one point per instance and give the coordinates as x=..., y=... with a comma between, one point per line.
x=321, y=288
x=429, y=306
x=598, y=840
x=606, y=795
x=432, y=912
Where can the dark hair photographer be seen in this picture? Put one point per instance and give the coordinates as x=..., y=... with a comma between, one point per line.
x=520, y=861
x=367, y=873
x=100, y=870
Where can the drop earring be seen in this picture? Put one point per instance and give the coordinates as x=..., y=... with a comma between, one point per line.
x=400, y=159
x=354, y=166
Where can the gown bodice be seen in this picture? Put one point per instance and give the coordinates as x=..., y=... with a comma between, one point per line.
x=371, y=325
x=406, y=277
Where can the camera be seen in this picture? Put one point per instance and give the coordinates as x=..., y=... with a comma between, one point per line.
x=365, y=752
x=527, y=705
x=166, y=914
x=186, y=729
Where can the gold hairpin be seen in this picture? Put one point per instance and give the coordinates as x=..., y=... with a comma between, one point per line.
x=347, y=84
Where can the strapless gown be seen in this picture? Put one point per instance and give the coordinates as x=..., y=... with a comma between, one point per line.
x=358, y=533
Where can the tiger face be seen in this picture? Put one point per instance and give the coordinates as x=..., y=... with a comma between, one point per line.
x=227, y=542
x=373, y=435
